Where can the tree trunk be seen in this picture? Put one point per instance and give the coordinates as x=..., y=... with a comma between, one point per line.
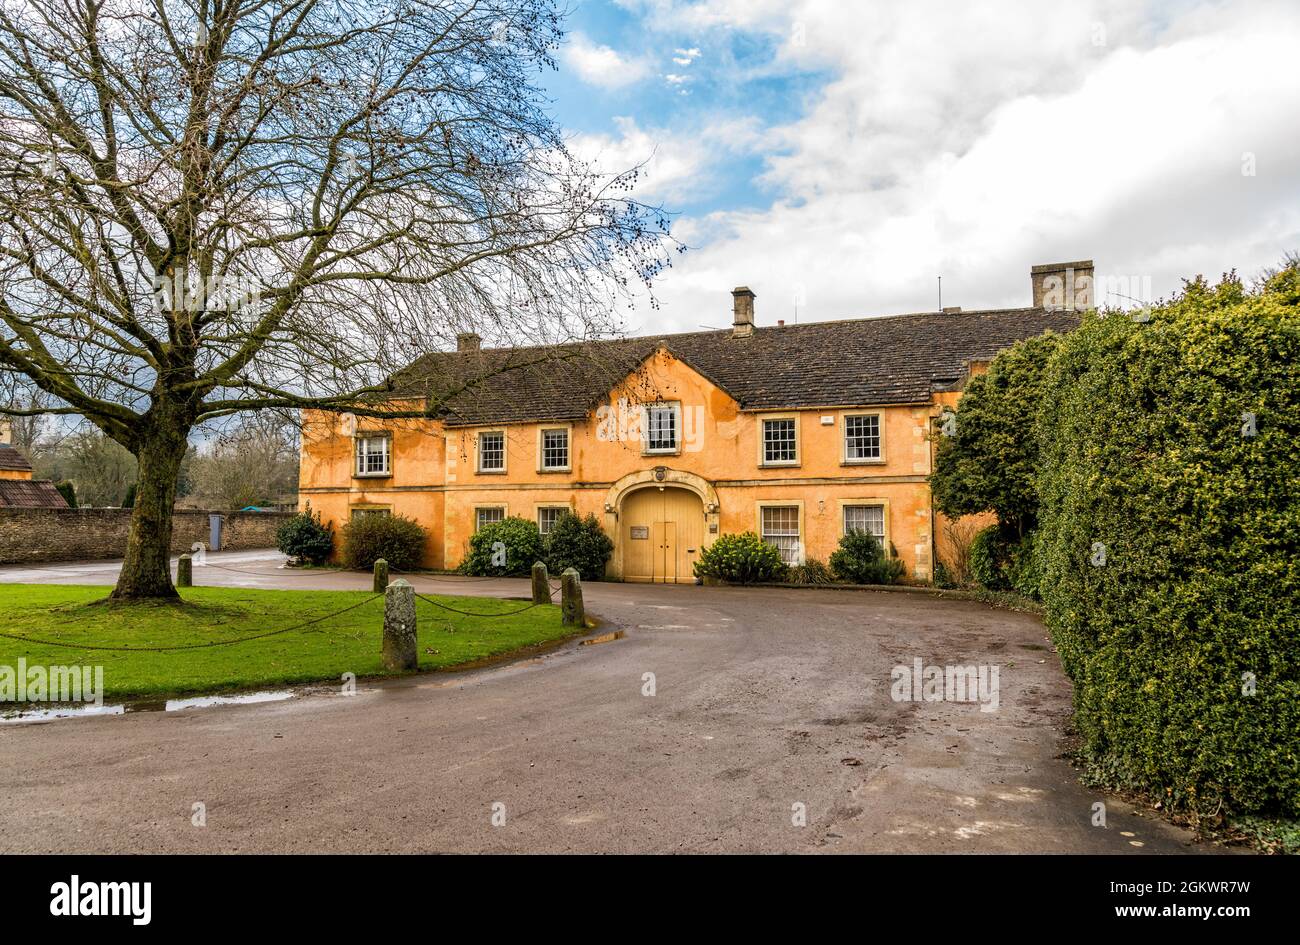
x=146, y=570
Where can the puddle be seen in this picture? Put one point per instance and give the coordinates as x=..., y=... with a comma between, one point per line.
x=59, y=712
x=170, y=705
x=603, y=638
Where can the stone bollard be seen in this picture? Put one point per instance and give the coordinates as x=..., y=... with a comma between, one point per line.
x=381, y=575
x=574, y=614
x=399, y=650
x=185, y=571
x=541, y=584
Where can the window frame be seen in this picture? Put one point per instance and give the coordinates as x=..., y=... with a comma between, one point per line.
x=763, y=462
x=676, y=407
x=365, y=436
x=478, y=453
x=887, y=543
x=876, y=460
x=801, y=539
x=547, y=506
x=567, y=430
x=502, y=508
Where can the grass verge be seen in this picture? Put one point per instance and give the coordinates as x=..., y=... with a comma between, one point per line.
x=79, y=617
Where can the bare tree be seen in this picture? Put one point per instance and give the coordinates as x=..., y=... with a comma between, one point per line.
x=100, y=469
x=217, y=206
x=251, y=463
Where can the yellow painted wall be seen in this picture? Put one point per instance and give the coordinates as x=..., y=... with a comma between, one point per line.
x=15, y=474
x=435, y=479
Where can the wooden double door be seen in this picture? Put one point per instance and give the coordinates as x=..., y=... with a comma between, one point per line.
x=661, y=530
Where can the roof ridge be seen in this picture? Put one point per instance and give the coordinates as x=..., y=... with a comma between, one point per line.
x=650, y=338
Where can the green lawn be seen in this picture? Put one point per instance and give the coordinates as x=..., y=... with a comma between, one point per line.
x=321, y=652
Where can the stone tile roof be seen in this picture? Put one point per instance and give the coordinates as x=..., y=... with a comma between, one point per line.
x=10, y=458
x=30, y=494
x=898, y=359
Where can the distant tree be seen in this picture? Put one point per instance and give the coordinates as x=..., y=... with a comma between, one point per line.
x=252, y=463
x=101, y=469
x=216, y=208
x=68, y=491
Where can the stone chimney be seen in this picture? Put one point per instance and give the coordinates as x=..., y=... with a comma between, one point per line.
x=6, y=431
x=468, y=341
x=1062, y=286
x=742, y=304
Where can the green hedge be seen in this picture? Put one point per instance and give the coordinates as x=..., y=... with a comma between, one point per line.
x=1143, y=460
x=523, y=548
x=398, y=540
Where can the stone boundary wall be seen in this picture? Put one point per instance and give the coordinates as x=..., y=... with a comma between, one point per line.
x=29, y=536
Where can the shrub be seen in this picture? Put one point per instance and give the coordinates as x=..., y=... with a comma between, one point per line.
x=990, y=553
x=395, y=538
x=990, y=461
x=1170, y=446
x=742, y=558
x=304, y=538
x=68, y=491
x=955, y=567
x=523, y=548
x=578, y=543
x=861, y=560
x=811, y=571
x=1024, y=568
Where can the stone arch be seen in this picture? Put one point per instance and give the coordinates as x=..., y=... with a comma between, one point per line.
x=657, y=477
x=671, y=477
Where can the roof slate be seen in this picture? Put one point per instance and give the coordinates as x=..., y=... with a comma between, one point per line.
x=10, y=458
x=896, y=359
x=30, y=494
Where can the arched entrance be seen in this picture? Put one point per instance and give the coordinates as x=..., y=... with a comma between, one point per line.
x=661, y=530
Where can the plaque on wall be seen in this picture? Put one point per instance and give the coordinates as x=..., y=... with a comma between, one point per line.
x=640, y=531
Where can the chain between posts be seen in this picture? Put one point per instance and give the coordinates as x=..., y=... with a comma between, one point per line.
x=189, y=646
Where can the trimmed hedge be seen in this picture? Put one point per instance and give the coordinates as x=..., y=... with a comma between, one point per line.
x=395, y=538
x=1170, y=544
x=523, y=547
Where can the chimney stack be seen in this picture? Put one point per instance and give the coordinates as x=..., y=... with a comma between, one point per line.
x=742, y=303
x=468, y=341
x=1063, y=286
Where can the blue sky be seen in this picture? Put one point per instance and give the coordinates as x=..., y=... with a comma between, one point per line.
x=838, y=156
x=686, y=77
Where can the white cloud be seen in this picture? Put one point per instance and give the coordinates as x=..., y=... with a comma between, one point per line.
x=975, y=140
x=601, y=65
x=678, y=166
